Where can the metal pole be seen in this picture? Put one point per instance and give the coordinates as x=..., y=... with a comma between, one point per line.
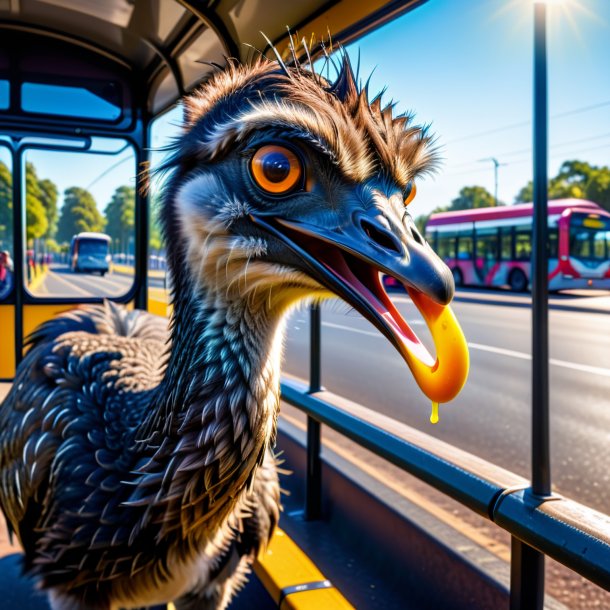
x=541, y=471
x=19, y=257
x=313, y=480
x=496, y=165
x=527, y=564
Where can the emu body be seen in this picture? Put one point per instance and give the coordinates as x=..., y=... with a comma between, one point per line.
x=135, y=460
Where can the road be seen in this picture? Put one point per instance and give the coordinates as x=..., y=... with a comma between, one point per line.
x=61, y=282
x=491, y=416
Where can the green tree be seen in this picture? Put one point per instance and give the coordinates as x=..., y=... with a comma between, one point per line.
x=577, y=179
x=120, y=216
x=78, y=213
x=473, y=197
x=35, y=213
x=6, y=206
x=155, y=239
x=49, y=196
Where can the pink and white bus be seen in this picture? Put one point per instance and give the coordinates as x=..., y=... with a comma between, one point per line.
x=492, y=246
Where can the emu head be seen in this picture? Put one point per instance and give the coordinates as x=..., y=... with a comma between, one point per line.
x=288, y=186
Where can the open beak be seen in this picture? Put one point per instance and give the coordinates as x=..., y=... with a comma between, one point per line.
x=348, y=261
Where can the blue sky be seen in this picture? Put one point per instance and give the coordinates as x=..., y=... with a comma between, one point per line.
x=465, y=67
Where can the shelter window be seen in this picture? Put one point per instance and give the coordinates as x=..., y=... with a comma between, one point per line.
x=80, y=226
x=4, y=94
x=6, y=223
x=100, y=101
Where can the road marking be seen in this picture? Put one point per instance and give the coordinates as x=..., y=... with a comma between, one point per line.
x=585, y=368
x=575, y=366
x=354, y=330
x=70, y=284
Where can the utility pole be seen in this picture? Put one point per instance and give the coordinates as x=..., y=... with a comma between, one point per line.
x=497, y=164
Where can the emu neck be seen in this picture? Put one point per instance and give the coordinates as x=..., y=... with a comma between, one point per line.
x=215, y=412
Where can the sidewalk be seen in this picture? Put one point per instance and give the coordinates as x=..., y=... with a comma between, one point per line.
x=588, y=301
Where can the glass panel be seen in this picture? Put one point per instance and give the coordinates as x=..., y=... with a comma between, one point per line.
x=98, y=101
x=487, y=244
x=4, y=94
x=506, y=243
x=6, y=223
x=80, y=221
x=446, y=245
x=162, y=132
x=464, y=247
x=553, y=243
x=523, y=245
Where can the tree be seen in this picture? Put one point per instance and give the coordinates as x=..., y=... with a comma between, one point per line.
x=6, y=207
x=120, y=216
x=49, y=196
x=78, y=213
x=473, y=197
x=35, y=213
x=577, y=179
x=155, y=239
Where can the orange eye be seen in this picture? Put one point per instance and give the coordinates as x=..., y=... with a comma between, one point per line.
x=276, y=169
x=410, y=193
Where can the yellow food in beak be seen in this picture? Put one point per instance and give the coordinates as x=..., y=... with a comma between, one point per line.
x=442, y=380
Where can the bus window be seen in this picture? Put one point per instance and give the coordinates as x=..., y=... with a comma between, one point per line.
x=446, y=245
x=6, y=223
x=580, y=243
x=553, y=243
x=487, y=244
x=523, y=245
x=506, y=243
x=464, y=247
x=80, y=224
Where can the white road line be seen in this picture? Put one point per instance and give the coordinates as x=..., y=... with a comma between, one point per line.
x=584, y=368
x=354, y=330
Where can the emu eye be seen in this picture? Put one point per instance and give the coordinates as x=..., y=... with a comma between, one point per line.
x=276, y=169
x=410, y=192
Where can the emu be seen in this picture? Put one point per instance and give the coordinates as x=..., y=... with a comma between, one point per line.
x=136, y=461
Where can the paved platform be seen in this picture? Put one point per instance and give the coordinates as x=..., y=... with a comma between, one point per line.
x=19, y=593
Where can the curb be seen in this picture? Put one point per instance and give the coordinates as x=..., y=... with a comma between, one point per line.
x=528, y=305
x=37, y=281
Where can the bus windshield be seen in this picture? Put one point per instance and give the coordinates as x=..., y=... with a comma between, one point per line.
x=589, y=238
x=92, y=247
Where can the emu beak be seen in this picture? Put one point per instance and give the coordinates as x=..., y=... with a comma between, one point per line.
x=348, y=261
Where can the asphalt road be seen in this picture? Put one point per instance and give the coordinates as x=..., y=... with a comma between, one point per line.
x=491, y=416
x=62, y=282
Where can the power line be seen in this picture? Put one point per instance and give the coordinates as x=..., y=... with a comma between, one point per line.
x=560, y=115
x=528, y=150
x=108, y=170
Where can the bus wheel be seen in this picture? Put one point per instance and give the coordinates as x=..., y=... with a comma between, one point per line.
x=517, y=281
x=458, y=278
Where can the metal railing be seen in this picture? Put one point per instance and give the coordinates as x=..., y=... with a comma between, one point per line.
x=573, y=534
